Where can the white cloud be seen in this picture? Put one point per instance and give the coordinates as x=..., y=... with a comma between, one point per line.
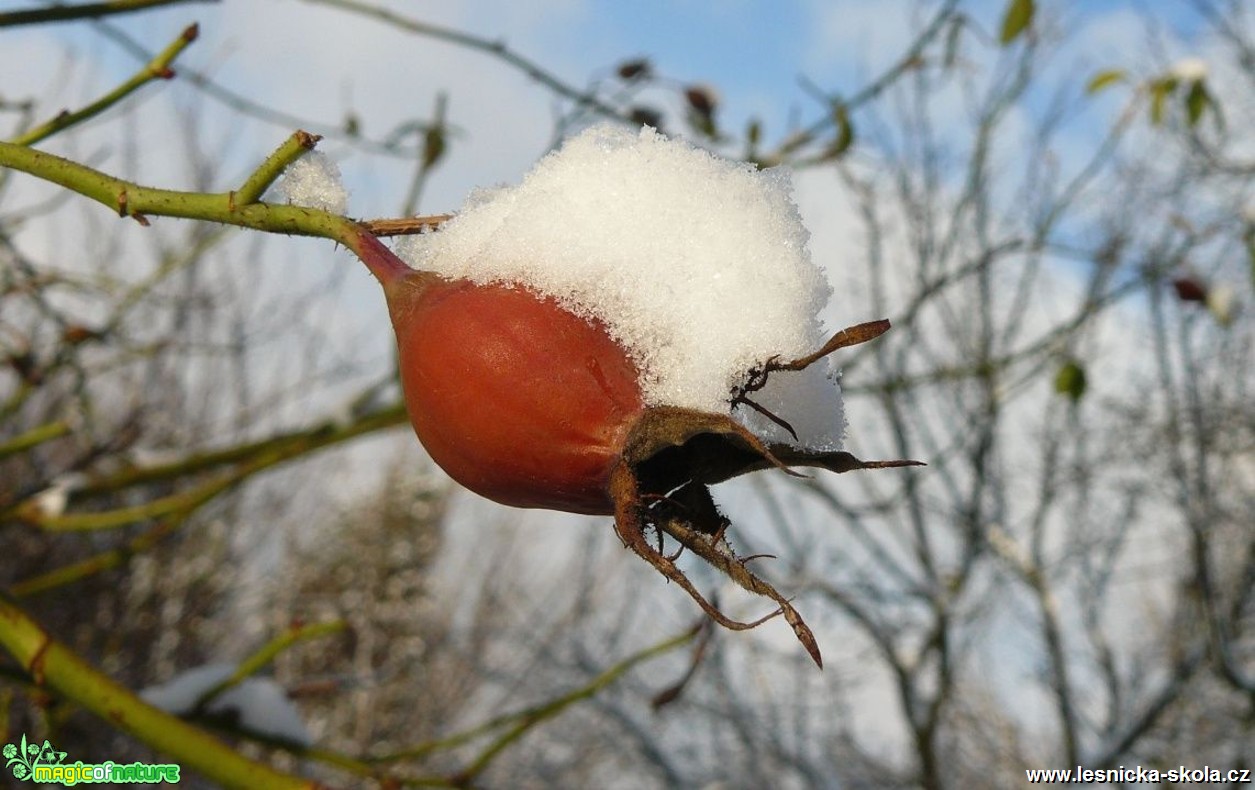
x=864, y=36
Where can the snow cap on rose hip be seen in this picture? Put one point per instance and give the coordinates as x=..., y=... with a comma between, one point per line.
x=632, y=324
x=696, y=265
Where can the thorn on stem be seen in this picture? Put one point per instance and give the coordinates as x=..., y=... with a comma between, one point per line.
x=307, y=140
x=191, y=32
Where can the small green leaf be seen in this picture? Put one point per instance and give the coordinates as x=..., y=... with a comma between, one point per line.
x=845, y=132
x=433, y=145
x=1159, y=90
x=1104, y=79
x=1018, y=17
x=1196, y=101
x=754, y=133
x=1222, y=304
x=1156, y=108
x=1070, y=380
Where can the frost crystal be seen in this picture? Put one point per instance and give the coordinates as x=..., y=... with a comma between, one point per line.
x=314, y=181
x=697, y=265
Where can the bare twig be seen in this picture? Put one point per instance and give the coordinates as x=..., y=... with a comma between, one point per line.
x=497, y=49
x=156, y=69
x=67, y=13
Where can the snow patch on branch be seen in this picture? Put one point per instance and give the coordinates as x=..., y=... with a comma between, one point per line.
x=314, y=181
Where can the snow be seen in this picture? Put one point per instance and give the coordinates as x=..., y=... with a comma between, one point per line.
x=698, y=266
x=314, y=181
x=259, y=705
x=51, y=502
x=1189, y=70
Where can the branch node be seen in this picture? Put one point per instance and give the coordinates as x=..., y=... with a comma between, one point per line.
x=306, y=139
x=36, y=665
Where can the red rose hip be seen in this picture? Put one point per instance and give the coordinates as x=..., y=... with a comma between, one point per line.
x=517, y=398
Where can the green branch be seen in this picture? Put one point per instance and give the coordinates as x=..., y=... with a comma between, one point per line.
x=268, y=652
x=34, y=437
x=311, y=438
x=156, y=69
x=129, y=199
x=98, y=563
x=55, y=667
x=67, y=13
x=521, y=721
x=178, y=504
x=292, y=149
x=264, y=456
x=529, y=718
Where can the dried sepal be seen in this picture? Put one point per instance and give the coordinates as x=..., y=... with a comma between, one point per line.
x=672, y=455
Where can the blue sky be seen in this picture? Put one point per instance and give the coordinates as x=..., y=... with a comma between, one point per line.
x=318, y=63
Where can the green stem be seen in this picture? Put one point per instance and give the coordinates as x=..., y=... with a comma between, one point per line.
x=133, y=200
x=309, y=438
x=54, y=666
x=34, y=437
x=228, y=208
x=156, y=69
x=99, y=563
x=65, y=13
x=254, y=663
x=521, y=721
x=549, y=710
x=294, y=148
x=186, y=501
x=528, y=717
x=174, y=505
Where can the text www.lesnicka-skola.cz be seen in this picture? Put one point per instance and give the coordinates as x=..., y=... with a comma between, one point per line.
x=1181, y=775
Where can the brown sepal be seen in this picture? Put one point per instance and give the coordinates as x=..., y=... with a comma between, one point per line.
x=673, y=454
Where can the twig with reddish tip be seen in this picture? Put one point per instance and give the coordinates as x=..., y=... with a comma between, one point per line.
x=296, y=146
x=156, y=69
